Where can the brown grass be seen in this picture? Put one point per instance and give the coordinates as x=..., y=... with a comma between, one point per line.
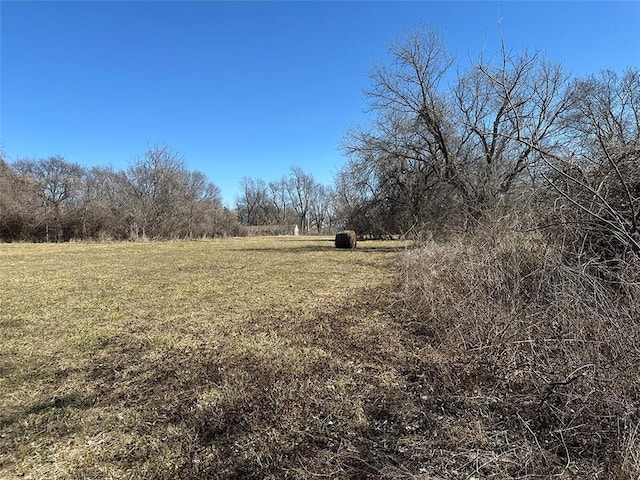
x=178, y=360
x=250, y=359
x=543, y=356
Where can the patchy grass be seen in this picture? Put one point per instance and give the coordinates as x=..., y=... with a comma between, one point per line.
x=276, y=358
x=232, y=358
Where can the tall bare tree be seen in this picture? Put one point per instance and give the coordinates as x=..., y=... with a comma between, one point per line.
x=200, y=203
x=321, y=211
x=153, y=189
x=300, y=187
x=252, y=201
x=279, y=196
x=468, y=138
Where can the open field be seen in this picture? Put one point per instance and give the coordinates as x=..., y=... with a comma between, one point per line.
x=275, y=358
x=183, y=359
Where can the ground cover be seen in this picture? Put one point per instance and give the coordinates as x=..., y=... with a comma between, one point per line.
x=284, y=357
x=130, y=360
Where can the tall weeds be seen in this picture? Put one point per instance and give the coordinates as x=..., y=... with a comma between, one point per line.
x=554, y=345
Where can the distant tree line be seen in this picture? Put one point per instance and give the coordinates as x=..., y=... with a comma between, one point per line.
x=449, y=148
x=296, y=199
x=452, y=147
x=157, y=197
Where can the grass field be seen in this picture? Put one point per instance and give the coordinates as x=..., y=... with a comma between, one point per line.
x=230, y=358
x=276, y=358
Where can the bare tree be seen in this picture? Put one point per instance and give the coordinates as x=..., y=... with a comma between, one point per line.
x=597, y=179
x=279, y=196
x=201, y=202
x=297, y=198
x=252, y=201
x=20, y=204
x=321, y=207
x=163, y=196
x=57, y=184
x=300, y=188
x=101, y=199
x=470, y=142
x=157, y=196
x=505, y=110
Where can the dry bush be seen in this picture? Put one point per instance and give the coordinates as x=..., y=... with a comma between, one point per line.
x=630, y=467
x=593, y=212
x=550, y=347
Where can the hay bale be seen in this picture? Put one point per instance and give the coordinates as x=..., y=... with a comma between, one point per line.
x=346, y=239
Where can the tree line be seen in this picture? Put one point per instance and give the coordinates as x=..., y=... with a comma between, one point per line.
x=156, y=197
x=452, y=146
x=296, y=199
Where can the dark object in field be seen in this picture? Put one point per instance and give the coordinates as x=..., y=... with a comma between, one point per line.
x=346, y=239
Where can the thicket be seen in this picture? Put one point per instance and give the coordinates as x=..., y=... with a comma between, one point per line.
x=547, y=349
x=157, y=197
x=533, y=178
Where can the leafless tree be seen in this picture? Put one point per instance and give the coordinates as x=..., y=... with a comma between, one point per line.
x=279, y=196
x=597, y=180
x=300, y=188
x=469, y=139
x=58, y=184
x=102, y=204
x=297, y=198
x=201, y=203
x=152, y=186
x=20, y=206
x=157, y=196
x=164, y=199
x=321, y=212
x=252, y=201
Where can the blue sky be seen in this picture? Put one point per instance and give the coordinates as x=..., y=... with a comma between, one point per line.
x=248, y=88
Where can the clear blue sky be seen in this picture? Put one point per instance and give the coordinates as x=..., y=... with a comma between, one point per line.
x=248, y=88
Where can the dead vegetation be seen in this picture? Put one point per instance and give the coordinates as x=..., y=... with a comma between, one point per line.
x=547, y=350
x=248, y=359
x=180, y=359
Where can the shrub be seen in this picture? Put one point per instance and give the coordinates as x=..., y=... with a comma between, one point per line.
x=551, y=347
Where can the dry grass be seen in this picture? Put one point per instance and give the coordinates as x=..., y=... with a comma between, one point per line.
x=255, y=358
x=231, y=358
x=543, y=356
